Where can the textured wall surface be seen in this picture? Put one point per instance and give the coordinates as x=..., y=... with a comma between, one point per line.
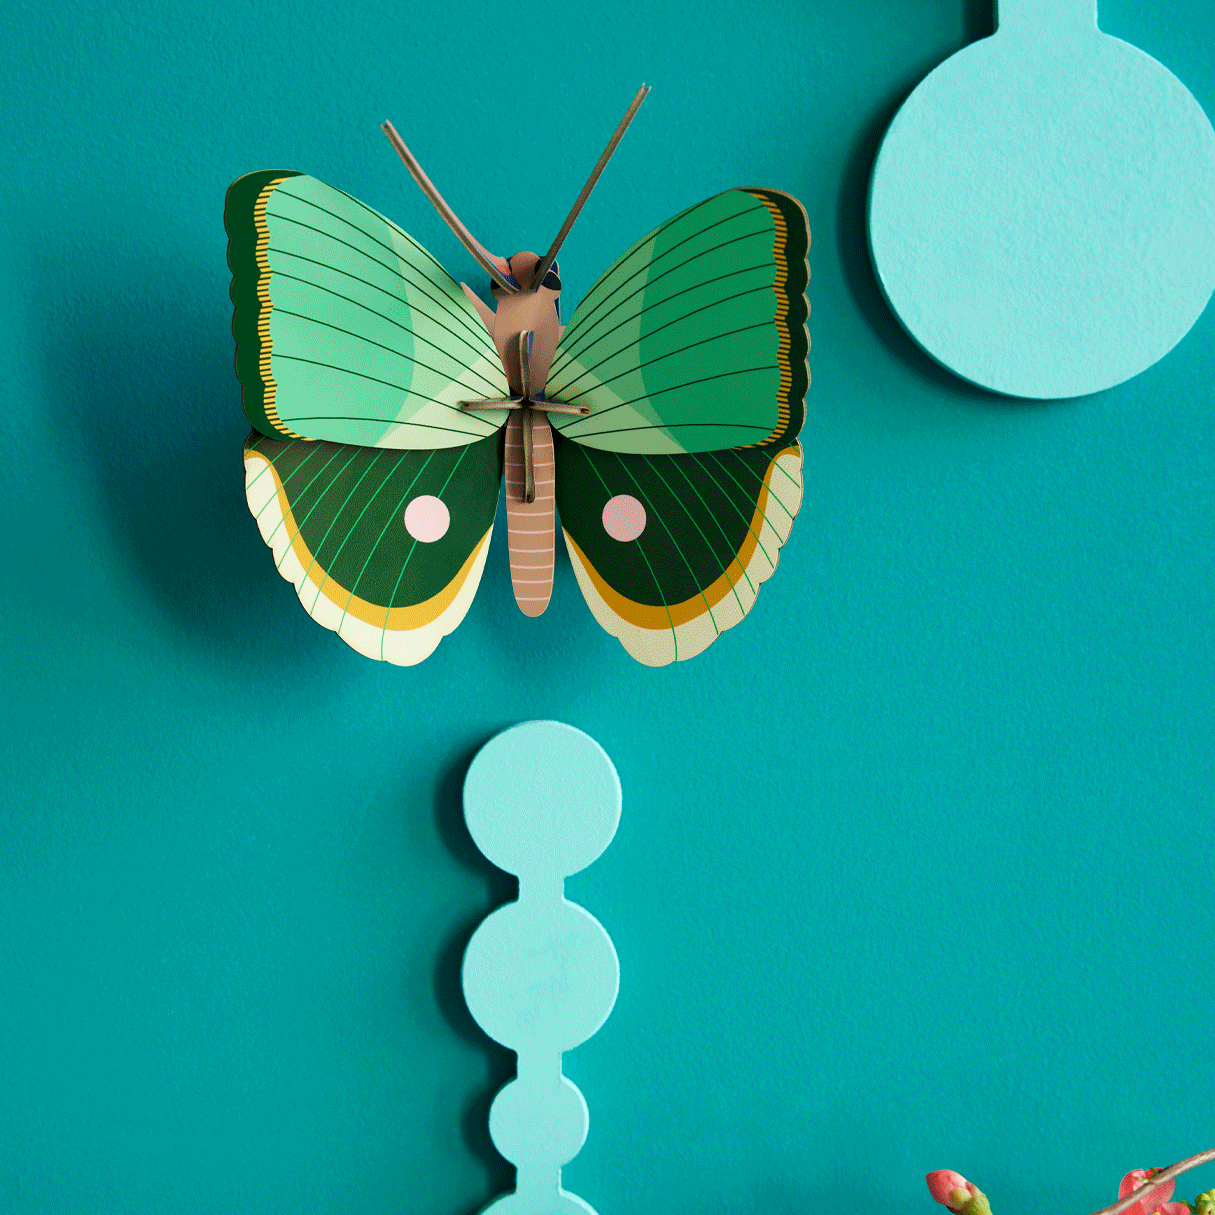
x=914, y=866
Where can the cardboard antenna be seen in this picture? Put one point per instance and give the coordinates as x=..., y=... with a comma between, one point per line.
x=547, y=260
x=465, y=237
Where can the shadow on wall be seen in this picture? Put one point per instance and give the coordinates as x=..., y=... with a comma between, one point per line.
x=501, y=888
x=147, y=397
x=148, y=406
x=978, y=19
x=852, y=228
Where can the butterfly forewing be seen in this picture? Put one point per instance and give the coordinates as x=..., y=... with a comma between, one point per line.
x=347, y=329
x=695, y=339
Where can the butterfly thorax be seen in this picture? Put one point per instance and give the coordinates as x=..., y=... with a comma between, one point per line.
x=535, y=312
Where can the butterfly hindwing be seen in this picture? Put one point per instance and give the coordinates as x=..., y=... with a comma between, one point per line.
x=694, y=340
x=385, y=547
x=347, y=330
x=670, y=551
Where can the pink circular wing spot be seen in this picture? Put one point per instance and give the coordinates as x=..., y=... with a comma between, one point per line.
x=427, y=518
x=624, y=517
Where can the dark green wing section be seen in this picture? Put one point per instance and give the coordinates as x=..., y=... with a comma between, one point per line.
x=695, y=339
x=346, y=328
x=670, y=551
x=385, y=547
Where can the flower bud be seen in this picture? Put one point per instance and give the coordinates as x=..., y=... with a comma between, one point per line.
x=952, y=1190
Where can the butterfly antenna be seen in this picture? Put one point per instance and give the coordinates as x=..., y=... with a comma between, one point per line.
x=547, y=260
x=465, y=237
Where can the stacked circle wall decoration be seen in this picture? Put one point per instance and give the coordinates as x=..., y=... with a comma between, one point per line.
x=542, y=801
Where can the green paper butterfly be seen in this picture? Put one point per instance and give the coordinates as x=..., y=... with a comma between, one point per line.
x=387, y=401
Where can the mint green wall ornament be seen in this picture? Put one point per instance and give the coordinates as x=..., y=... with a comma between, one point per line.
x=1042, y=208
x=542, y=800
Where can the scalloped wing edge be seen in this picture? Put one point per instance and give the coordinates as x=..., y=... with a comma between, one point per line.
x=404, y=647
x=244, y=205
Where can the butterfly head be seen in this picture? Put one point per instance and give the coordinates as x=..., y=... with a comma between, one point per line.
x=516, y=276
x=522, y=269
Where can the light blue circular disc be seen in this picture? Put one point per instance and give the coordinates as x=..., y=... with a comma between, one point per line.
x=1042, y=208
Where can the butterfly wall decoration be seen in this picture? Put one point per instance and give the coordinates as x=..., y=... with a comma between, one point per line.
x=388, y=401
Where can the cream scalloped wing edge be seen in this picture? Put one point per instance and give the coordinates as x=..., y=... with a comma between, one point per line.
x=660, y=647
x=402, y=647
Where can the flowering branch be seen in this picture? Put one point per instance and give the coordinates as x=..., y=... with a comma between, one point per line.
x=1142, y=1192
x=1157, y=1179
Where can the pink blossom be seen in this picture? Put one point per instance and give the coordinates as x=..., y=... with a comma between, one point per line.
x=952, y=1190
x=1157, y=1200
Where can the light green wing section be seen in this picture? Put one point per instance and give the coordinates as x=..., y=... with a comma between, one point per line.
x=347, y=330
x=695, y=339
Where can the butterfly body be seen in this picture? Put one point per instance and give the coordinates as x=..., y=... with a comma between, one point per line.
x=388, y=402
x=526, y=327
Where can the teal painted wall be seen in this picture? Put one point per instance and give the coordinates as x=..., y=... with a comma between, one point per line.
x=914, y=867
